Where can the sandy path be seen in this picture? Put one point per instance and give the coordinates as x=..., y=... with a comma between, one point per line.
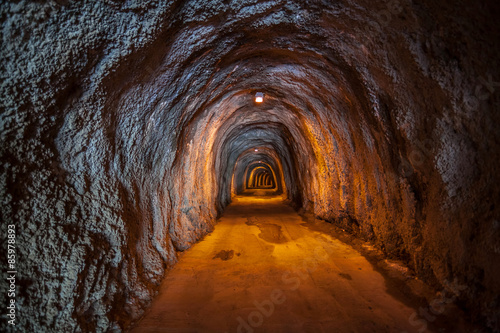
x=263, y=270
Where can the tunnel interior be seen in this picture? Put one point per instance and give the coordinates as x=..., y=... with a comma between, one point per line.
x=259, y=177
x=129, y=127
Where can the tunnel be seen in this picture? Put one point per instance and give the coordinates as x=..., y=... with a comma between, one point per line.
x=250, y=166
x=260, y=176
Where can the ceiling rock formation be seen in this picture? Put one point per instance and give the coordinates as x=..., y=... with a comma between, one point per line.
x=127, y=127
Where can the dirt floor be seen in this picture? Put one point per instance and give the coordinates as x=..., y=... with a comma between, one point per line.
x=266, y=269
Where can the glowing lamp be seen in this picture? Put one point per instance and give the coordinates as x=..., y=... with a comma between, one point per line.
x=256, y=150
x=259, y=97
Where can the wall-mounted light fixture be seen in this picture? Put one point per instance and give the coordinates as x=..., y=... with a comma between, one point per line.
x=259, y=97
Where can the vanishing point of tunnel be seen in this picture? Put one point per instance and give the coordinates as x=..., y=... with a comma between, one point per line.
x=250, y=166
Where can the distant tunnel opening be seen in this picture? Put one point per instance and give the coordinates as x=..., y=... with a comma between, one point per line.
x=259, y=176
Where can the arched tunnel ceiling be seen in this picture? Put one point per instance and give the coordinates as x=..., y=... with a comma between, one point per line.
x=130, y=124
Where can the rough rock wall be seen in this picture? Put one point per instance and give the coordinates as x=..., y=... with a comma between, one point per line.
x=83, y=206
x=123, y=124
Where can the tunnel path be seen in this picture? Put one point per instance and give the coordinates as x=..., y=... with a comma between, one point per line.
x=263, y=270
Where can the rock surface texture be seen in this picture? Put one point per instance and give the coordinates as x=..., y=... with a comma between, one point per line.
x=127, y=126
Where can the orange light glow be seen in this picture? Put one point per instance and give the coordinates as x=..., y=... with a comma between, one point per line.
x=259, y=97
